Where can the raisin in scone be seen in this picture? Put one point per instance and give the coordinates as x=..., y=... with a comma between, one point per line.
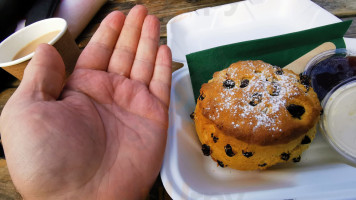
x=253, y=115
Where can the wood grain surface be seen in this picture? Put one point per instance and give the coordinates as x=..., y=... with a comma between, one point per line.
x=164, y=10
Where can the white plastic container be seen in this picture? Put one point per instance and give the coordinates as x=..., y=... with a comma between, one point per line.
x=242, y=21
x=186, y=173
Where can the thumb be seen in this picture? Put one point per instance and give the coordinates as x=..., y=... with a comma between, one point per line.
x=44, y=75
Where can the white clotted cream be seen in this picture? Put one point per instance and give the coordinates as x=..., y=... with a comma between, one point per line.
x=339, y=119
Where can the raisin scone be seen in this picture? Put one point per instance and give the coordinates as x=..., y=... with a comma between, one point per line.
x=253, y=115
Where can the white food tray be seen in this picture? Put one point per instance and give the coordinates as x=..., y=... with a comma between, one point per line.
x=186, y=173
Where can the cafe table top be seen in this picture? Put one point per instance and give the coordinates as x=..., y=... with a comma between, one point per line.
x=164, y=10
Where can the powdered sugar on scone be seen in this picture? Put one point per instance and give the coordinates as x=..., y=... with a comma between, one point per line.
x=253, y=96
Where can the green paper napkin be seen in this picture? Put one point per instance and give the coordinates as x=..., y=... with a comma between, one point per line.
x=278, y=50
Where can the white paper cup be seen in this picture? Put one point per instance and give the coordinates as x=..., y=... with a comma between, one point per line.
x=62, y=41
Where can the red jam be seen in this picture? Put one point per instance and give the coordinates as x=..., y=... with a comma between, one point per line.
x=328, y=73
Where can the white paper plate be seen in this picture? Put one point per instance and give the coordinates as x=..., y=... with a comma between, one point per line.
x=186, y=173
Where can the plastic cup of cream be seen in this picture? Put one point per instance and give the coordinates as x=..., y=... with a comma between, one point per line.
x=338, y=122
x=333, y=78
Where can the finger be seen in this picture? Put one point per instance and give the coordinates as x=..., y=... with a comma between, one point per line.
x=144, y=62
x=97, y=53
x=124, y=54
x=44, y=75
x=160, y=85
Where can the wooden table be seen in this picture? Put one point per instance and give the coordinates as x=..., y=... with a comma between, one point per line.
x=164, y=10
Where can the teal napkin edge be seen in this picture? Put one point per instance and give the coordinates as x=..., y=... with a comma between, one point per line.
x=290, y=49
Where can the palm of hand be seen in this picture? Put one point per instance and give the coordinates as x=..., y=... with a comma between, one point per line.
x=117, y=144
x=105, y=137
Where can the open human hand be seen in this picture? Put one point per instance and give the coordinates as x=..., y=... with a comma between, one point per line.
x=102, y=134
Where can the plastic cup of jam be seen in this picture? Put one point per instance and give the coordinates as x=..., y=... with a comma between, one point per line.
x=329, y=69
x=333, y=78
